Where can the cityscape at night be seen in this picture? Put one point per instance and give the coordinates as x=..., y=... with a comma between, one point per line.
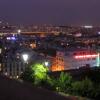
x=49, y=50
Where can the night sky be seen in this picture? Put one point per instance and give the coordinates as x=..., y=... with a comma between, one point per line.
x=74, y=12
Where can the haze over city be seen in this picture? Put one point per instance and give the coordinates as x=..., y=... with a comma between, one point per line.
x=74, y=12
x=49, y=49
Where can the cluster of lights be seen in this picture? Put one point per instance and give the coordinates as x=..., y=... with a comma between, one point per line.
x=11, y=38
x=86, y=56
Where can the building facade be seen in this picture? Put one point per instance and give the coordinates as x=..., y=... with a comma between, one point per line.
x=75, y=59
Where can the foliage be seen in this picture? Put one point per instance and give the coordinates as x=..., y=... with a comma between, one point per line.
x=96, y=92
x=83, y=88
x=49, y=83
x=93, y=74
x=39, y=73
x=63, y=83
x=27, y=75
x=36, y=73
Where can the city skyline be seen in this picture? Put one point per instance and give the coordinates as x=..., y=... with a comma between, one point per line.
x=60, y=12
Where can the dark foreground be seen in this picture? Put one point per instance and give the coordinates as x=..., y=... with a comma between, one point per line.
x=13, y=90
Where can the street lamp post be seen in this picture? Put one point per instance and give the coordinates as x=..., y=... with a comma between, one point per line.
x=25, y=58
x=47, y=64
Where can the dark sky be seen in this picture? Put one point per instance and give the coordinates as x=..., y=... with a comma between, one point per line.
x=75, y=12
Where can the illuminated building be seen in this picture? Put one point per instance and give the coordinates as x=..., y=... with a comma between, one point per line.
x=58, y=63
x=13, y=69
x=33, y=45
x=75, y=59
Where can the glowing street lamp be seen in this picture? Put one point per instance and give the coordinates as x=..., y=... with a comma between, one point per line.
x=25, y=57
x=46, y=63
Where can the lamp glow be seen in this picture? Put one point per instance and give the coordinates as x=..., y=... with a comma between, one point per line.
x=25, y=57
x=46, y=63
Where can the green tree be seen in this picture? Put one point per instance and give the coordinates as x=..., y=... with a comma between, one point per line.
x=36, y=73
x=39, y=73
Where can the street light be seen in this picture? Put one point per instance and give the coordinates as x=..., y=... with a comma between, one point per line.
x=25, y=57
x=46, y=63
x=25, y=62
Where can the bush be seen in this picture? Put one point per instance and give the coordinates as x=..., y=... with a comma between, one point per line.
x=93, y=75
x=96, y=92
x=49, y=83
x=27, y=75
x=63, y=83
x=83, y=88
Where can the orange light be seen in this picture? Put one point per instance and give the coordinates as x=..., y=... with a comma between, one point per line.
x=57, y=68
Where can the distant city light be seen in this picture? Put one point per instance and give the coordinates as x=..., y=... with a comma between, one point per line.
x=78, y=34
x=8, y=38
x=11, y=38
x=17, y=76
x=13, y=34
x=88, y=26
x=6, y=73
x=0, y=50
x=19, y=31
x=99, y=33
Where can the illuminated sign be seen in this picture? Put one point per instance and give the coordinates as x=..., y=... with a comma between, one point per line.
x=86, y=56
